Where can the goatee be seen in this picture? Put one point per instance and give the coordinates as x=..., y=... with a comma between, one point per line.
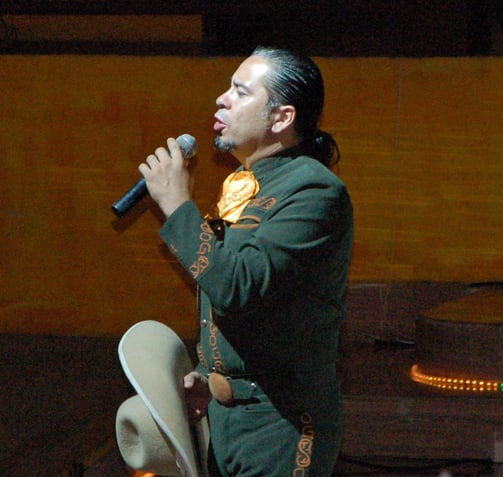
x=224, y=146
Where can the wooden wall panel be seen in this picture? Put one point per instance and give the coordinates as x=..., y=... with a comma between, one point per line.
x=422, y=156
x=74, y=131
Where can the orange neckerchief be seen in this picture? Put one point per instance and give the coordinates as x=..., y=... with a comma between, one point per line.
x=238, y=190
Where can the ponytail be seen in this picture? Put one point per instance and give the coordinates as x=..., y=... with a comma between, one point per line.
x=322, y=147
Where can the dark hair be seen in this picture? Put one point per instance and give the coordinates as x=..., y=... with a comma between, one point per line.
x=296, y=80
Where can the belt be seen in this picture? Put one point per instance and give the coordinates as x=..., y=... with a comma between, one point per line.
x=240, y=388
x=229, y=390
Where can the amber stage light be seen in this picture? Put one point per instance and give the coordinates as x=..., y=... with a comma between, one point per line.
x=453, y=383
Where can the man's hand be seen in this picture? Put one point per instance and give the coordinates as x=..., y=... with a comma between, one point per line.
x=167, y=177
x=197, y=394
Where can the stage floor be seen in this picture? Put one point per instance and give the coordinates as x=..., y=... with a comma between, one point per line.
x=60, y=394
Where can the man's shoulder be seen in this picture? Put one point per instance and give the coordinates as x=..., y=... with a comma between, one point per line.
x=305, y=169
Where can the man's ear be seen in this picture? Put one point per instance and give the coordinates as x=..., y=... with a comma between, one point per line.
x=283, y=117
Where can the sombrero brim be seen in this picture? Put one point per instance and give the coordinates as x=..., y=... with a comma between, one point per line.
x=155, y=360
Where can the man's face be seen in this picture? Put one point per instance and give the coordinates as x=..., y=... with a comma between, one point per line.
x=242, y=120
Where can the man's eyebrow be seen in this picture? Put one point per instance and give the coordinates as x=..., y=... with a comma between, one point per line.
x=238, y=84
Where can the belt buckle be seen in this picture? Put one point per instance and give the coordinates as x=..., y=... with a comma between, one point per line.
x=220, y=388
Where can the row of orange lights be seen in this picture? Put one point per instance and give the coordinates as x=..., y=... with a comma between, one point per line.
x=455, y=384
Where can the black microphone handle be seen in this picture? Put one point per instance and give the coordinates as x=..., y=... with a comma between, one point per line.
x=130, y=198
x=188, y=147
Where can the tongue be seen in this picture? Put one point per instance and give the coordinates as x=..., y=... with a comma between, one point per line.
x=218, y=126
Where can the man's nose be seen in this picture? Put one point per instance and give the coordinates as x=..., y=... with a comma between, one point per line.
x=223, y=100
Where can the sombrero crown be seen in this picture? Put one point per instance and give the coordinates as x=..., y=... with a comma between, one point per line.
x=152, y=427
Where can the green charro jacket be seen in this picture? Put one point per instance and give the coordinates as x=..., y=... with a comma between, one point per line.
x=271, y=291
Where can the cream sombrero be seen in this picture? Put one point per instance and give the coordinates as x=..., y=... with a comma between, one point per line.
x=152, y=427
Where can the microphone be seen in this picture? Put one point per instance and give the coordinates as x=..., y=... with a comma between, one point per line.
x=188, y=146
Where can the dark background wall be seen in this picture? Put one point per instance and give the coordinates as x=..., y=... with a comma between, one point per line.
x=413, y=28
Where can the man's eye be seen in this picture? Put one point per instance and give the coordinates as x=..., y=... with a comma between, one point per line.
x=241, y=93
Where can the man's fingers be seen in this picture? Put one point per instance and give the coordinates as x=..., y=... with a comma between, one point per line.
x=172, y=144
x=151, y=160
x=188, y=381
x=161, y=153
x=174, y=150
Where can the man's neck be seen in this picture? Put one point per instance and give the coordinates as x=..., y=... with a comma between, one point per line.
x=269, y=151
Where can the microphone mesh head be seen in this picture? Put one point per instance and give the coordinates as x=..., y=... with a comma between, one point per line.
x=188, y=145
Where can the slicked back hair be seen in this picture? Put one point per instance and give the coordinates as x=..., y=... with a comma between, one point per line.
x=297, y=81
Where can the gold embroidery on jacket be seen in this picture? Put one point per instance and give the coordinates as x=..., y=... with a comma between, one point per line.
x=202, y=262
x=304, y=446
x=216, y=355
x=263, y=202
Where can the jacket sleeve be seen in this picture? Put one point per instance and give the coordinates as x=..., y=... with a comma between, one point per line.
x=293, y=238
